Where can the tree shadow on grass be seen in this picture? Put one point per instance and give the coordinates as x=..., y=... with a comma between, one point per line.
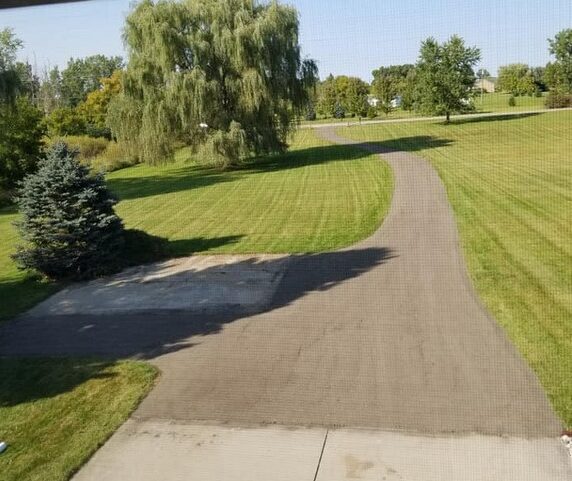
x=414, y=143
x=193, y=177
x=176, y=180
x=493, y=118
x=143, y=248
x=28, y=380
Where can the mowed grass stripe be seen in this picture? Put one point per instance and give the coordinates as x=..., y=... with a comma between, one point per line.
x=303, y=201
x=510, y=183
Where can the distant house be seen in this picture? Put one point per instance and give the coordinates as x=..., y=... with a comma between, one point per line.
x=487, y=84
x=396, y=102
x=372, y=101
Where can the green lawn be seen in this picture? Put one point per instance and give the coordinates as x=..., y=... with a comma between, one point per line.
x=55, y=413
x=510, y=183
x=18, y=290
x=317, y=197
x=498, y=102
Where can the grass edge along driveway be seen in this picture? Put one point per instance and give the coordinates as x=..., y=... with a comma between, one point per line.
x=509, y=181
x=55, y=413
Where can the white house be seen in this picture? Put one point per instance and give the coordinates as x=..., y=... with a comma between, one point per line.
x=372, y=101
x=396, y=102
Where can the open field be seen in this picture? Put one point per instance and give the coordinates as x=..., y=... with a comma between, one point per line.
x=317, y=197
x=510, y=182
x=55, y=413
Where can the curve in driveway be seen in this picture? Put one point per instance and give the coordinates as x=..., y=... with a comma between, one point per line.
x=386, y=334
x=403, y=345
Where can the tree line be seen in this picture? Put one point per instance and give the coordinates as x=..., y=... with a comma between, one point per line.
x=443, y=79
x=232, y=89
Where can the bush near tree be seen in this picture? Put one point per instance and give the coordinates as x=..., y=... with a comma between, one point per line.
x=65, y=121
x=68, y=224
x=558, y=100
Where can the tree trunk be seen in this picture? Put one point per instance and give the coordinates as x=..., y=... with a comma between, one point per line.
x=448, y=120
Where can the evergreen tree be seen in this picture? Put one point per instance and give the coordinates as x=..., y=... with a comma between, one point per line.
x=339, y=111
x=68, y=222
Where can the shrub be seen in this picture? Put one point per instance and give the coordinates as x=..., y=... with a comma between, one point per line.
x=88, y=147
x=114, y=157
x=96, y=131
x=68, y=223
x=558, y=100
x=371, y=113
x=511, y=101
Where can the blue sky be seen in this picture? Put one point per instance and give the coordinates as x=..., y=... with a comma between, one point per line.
x=344, y=36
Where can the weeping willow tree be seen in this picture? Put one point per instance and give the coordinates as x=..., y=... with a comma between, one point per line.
x=223, y=76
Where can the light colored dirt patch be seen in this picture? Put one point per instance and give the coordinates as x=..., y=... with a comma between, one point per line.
x=196, y=283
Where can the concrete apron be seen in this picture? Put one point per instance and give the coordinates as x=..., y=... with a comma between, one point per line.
x=243, y=283
x=166, y=451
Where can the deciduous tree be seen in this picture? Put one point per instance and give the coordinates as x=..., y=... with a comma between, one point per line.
x=388, y=83
x=21, y=132
x=83, y=75
x=94, y=109
x=559, y=73
x=516, y=79
x=224, y=76
x=445, y=76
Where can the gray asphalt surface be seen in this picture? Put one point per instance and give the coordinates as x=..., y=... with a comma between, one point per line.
x=386, y=334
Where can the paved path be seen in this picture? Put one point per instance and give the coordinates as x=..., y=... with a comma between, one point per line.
x=386, y=334
x=166, y=451
x=492, y=115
